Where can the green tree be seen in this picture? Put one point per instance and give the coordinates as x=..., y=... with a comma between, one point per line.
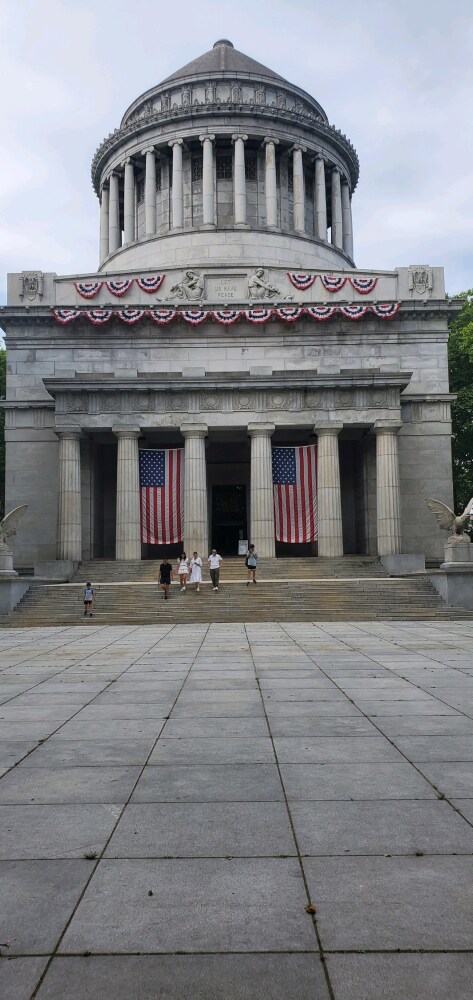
x=3, y=381
x=460, y=356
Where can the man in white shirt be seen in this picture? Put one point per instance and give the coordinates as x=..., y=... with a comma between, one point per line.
x=214, y=561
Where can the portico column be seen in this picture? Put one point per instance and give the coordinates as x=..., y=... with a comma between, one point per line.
x=150, y=192
x=239, y=181
x=347, y=228
x=388, y=505
x=299, y=193
x=69, y=521
x=114, y=231
x=128, y=527
x=337, y=236
x=208, y=192
x=129, y=202
x=195, y=489
x=177, y=184
x=329, y=501
x=320, y=200
x=104, y=223
x=270, y=190
x=262, y=503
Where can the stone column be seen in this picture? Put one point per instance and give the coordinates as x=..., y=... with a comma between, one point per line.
x=150, y=192
x=177, y=184
x=239, y=182
x=262, y=503
x=129, y=202
x=128, y=524
x=299, y=193
x=104, y=223
x=347, y=228
x=114, y=231
x=69, y=520
x=337, y=236
x=388, y=503
x=195, y=490
x=208, y=187
x=320, y=200
x=329, y=501
x=270, y=189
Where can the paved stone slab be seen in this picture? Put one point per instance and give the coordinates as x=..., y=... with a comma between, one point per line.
x=424, y=725
x=192, y=977
x=320, y=725
x=242, y=905
x=107, y=712
x=439, y=748
x=217, y=727
x=209, y=783
x=113, y=729
x=316, y=709
x=213, y=751
x=466, y=808
x=36, y=900
x=78, y=753
x=55, y=831
x=330, y=749
x=375, y=707
x=12, y=751
x=18, y=977
x=73, y=784
x=392, y=977
x=354, y=781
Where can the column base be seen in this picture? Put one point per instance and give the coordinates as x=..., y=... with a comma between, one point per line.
x=241, y=225
x=208, y=225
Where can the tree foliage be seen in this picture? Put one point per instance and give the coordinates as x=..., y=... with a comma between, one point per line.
x=460, y=356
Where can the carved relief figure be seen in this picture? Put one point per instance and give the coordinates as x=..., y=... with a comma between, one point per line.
x=186, y=98
x=191, y=286
x=165, y=102
x=420, y=279
x=282, y=102
x=260, y=95
x=31, y=285
x=236, y=93
x=260, y=288
x=210, y=93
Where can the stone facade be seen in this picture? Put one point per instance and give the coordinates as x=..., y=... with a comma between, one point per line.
x=221, y=183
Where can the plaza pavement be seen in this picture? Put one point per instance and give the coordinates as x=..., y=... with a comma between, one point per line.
x=182, y=794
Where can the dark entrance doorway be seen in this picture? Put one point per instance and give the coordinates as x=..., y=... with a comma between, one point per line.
x=228, y=518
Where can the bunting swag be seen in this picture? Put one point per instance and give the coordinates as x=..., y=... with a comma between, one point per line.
x=119, y=288
x=332, y=283
x=363, y=285
x=227, y=317
x=150, y=285
x=295, y=494
x=88, y=289
x=131, y=316
x=301, y=281
x=161, y=495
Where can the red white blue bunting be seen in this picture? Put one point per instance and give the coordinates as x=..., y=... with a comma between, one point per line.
x=301, y=281
x=161, y=316
x=227, y=317
x=119, y=287
x=194, y=316
x=66, y=315
x=88, y=289
x=363, y=285
x=258, y=315
x=130, y=316
x=332, y=282
x=353, y=310
x=288, y=313
x=385, y=310
x=321, y=312
x=98, y=316
x=150, y=285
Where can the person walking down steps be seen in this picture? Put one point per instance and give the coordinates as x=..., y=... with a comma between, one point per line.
x=196, y=571
x=165, y=577
x=215, y=561
x=250, y=563
x=89, y=594
x=183, y=570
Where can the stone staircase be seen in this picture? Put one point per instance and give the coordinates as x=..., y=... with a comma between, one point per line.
x=349, y=589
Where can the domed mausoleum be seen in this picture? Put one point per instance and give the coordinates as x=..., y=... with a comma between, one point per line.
x=226, y=373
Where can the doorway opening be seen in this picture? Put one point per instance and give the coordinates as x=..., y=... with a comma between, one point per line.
x=229, y=520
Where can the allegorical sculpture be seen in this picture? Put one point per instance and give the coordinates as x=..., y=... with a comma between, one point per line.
x=8, y=528
x=191, y=286
x=448, y=520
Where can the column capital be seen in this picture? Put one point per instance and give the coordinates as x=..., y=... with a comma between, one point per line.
x=73, y=432
x=335, y=170
x=237, y=136
x=267, y=139
x=328, y=427
x=387, y=426
x=320, y=156
x=210, y=137
x=127, y=161
x=148, y=149
x=297, y=148
x=194, y=430
x=133, y=431
x=176, y=142
x=263, y=429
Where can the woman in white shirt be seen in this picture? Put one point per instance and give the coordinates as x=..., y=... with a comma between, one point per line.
x=196, y=571
x=183, y=570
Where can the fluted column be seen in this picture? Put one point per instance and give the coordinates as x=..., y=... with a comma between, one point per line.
x=239, y=181
x=388, y=503
x=128, y=526
x=299, y=193
x=69, y=521
x=337, y=234
x=195, y=489
x=177, y=184
x=114, y=231
x=329, y=500
x=150, y=192
x=129, y=202
x=208, y=186
x=347, y=227
x=320, y=200
x=270, y=190
x=104, y=223
x=262, y=503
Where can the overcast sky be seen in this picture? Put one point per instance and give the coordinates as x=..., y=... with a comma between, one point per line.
x=395, y=75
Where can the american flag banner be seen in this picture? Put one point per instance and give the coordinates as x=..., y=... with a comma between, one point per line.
x=162, y=495
x=295, y=493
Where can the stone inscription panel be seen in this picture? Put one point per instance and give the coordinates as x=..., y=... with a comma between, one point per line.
x=228, y=288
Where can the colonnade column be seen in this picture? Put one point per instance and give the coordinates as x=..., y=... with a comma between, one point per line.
x=69, y=521
x=239, y=181
x=299, y=193
x=114, y=231
x=195, y=489
x=150, y=192
x=320, y=200
x=262, y=502
x=270, y=190
x=208, y=187
x=129, y=202
x=347, y=227
x=177, y=184
x=104, y=223
x=329, y=500
x=128, y=523
x=388, y=502
x=337, y=234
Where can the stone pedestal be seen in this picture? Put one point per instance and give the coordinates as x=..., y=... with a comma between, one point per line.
x=262, y=502
x=69, y=519
x=329, y=500
x=6, y=562
x=128, y=526
x=388, y=504
x=195, y=490
x=459, y=552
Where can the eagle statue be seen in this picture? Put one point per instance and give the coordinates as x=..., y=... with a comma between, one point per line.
x=10, y=523
x=447, y=520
